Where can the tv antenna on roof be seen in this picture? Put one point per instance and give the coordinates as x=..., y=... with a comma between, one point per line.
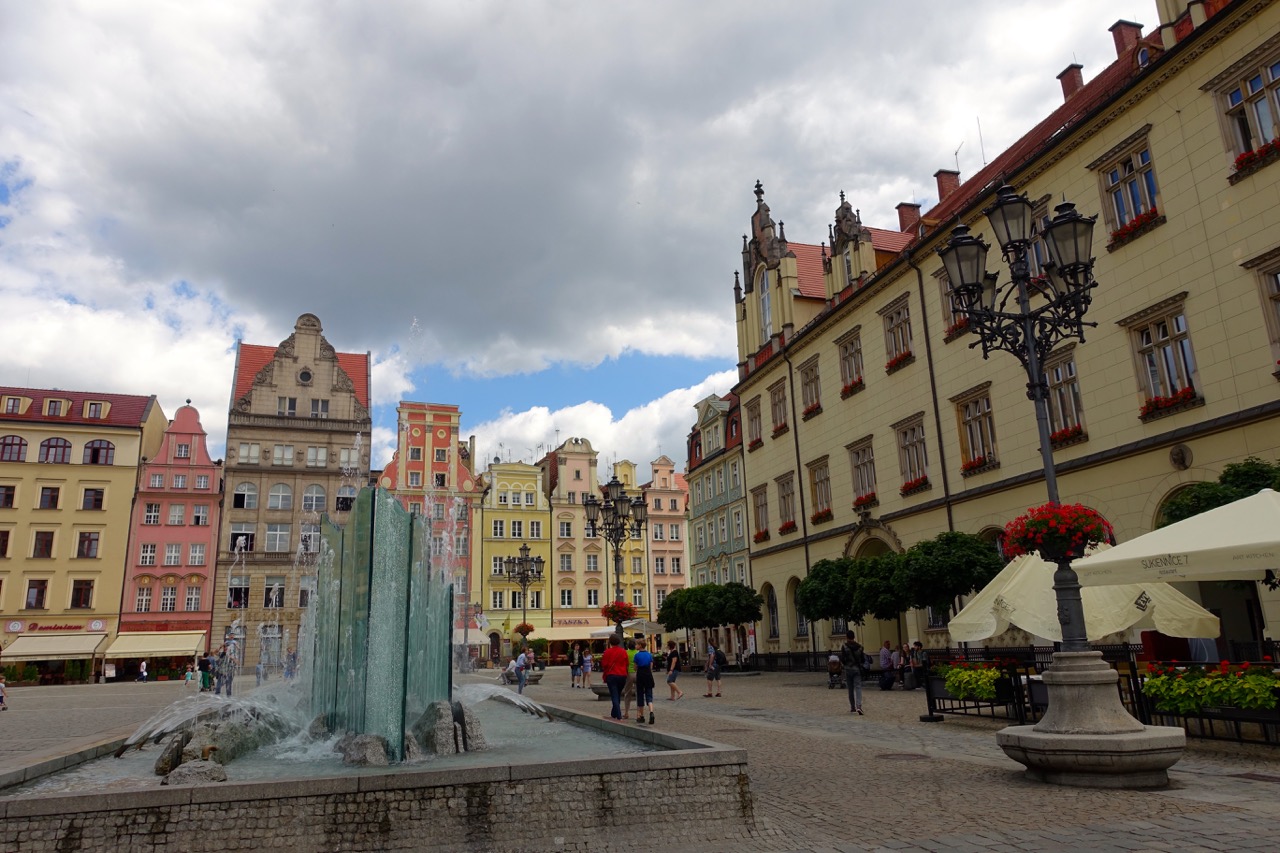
x=956, y=154
x=981, y=146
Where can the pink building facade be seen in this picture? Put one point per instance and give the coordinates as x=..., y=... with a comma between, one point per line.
x=174, y=534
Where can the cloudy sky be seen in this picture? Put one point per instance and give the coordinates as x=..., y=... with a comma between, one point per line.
x=530, y=209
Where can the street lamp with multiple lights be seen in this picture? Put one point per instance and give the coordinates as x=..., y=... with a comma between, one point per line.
x=469, y=610
x=619, y=518
x=1086, y=737
x=524, y=571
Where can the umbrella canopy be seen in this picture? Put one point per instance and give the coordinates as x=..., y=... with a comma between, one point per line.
x=632, y=627
x=1238, y=541
x=1022, y=594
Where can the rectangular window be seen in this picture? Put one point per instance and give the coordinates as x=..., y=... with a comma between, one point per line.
x=54, y=408
x=317, y=457
x=202, y=481
x=1162, y=344
x=319, y=408
x=737, y=524
x=1066, y=412
x=177, y=513
x=566, y=530
x=146, y=554
x=566, y=598
x=238, y=592
x=168, y=599
x=151, y=514
x=897, y=329
x=142, y=602
x=778, y=405
x=912, y=457
x=1129, y=185
x=496, y=566
x=659, y=565
x=517, y=600
x=528, y=498
x=735, y=479
x=243, y=534
x=661, y=597
x=310, y=538
x=442, y=455
x=440, y=480
x=179, y=481
x=719, y=484
x=195, y=593
x=437, y=511
x=810, y=388
x=977, y=427
x=535, y=599
x=593, y=562
x=760, y=506
x=535, y=530
x=950, y=316
x=195, y=554
x=658, y=533
x=1271, y=302
x=673, y=532
x=593, y=598
x=637, y=597
x=42, y=546
x=724, y=529
x=183, y=451
x=306, y=589
x=504, y=498
x=517, y=529
x=286, y=407
x=499, y=528
x=496, y=598
x=566, y=562
x=37, y=589
x=862, y=461
x=754, y=434
x=87, y=545
x=173, y=554
x=157, y=481
x=786, y=498
x=49, y=497
x=7, y=496
x=200, y=515
x=282, y=454
x=415, y=479
x=348, y=457
x=273, y=592
x=4, y=552
x=278, y=538
x=675, y=565
x=249, y=453
x=820, y=486
x=1252, y=104
x=415, y=454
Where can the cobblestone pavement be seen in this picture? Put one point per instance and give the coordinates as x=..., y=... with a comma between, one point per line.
x=826, y=780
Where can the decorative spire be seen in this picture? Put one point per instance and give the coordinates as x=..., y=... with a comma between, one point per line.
x=759, y=192
x=842, y=196
x=782, y=231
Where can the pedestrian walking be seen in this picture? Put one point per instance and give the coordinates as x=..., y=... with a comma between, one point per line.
x=919, y=662
x=4, y=695
x=575, y=665
x=189, y=678
x=523, y=662
x=712, y=670
x=613, y=668
x=629, y=689
x=673, y=671
x=588, y=660
x=142, y=673
x=644, y=681
x=851, y=656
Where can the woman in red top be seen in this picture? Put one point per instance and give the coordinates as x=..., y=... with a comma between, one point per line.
x=613, y=666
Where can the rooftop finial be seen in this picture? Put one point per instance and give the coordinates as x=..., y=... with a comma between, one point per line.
x=759, y=192
x=842, y=196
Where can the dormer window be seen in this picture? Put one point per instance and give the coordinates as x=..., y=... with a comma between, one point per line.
x=93, y=410
x=12, y=405
x=53, y=408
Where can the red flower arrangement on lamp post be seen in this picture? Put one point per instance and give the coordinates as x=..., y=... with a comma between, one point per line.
x=618, y=611
x=524, y=629
x=1058, y=531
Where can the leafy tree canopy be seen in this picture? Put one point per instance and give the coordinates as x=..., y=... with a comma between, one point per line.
x=873, y=589
x=934, y=572
x=827, y=593
x=1237, y=480
x=738, y=604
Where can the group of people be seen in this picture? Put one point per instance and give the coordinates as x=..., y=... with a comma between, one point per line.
x=904, y=665
x=213, y=672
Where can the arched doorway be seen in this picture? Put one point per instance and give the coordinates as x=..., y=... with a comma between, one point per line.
x=495, y=647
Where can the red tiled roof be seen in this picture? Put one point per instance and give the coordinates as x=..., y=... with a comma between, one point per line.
x=889, y=241
x=809, y=270
x=126, y=410
x=254, y=357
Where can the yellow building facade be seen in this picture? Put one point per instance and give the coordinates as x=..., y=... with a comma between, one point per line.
x=68, y=473
x=869, y=422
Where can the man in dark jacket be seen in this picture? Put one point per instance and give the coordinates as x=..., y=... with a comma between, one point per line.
x=851, y=659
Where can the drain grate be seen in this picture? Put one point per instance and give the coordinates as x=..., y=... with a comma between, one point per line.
x=903, y=756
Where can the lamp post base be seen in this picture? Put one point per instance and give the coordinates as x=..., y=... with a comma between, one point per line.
x=1087, y=738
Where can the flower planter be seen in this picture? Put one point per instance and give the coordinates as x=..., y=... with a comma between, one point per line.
x=938, y=687
x=915, y=487
x=898, y=362
x=811, y=412
x=957, y=330
x=779, y=430
x=1140, y=225
x=866, y=502
x=1068, y=437
x=1160, y=407
x=755, y=444
x=1254, y=161
x=852, y=388
x=987, y=464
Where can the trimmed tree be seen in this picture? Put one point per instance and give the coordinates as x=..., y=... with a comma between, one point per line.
x=873, y=590
x=826, y=592
x=1237, y=480
x=933, y=573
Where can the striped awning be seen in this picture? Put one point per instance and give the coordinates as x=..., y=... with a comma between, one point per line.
x=52, y=647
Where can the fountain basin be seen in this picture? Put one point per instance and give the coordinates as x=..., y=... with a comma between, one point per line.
x=601, y=803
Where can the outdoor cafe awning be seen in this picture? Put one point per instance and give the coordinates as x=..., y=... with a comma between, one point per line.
x=156, y=644
x=52, y=647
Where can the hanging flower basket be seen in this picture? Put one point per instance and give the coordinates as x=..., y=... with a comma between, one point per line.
x=1057, y=531
x=618, y=611
x=761, y=536
x=524, y=629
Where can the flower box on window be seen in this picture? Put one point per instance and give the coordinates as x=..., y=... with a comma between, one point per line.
x=899, y=361
x=852, y=388
x=956, y=329
x=1251, y=161
x=919, y=484
x=761, y=536
x=1135, y=228
x=979, y=464
x=812, y=410
x=866, y=501
x=755, y=444
x=1158, y=407
x=786, y=527
x=822, y=517
x=780, y=429
x=1068, y=436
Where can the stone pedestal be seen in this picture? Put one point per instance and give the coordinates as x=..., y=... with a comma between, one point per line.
x=1086, y=737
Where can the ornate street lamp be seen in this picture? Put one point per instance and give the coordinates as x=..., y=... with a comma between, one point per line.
x=525, y=571
x=1086, y=736
x=469, y=610
x=619, y=518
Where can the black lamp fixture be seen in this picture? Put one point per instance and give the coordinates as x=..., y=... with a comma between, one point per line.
x=619, y=518
x=524, y=571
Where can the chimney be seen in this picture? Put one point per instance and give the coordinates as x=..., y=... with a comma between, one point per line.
x=1126, y=35
x=948, y=182
x=908, y=216
x=1072, y=80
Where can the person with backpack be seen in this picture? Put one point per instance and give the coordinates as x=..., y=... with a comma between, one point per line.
x=851, y=658
x=713, y=667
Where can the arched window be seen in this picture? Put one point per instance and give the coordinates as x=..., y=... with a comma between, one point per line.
x=13, y=448
x=313, y=499
x=771, y=604
x=280, y=497
x=802, y=624
x=245, y=497
x=55, y=450
x=766, y=315
x=99, y=452
x=346, y=498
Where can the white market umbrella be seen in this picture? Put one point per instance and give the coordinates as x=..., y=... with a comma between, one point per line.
x=633, y=626
x=1238, y=541
x=1022, y=594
